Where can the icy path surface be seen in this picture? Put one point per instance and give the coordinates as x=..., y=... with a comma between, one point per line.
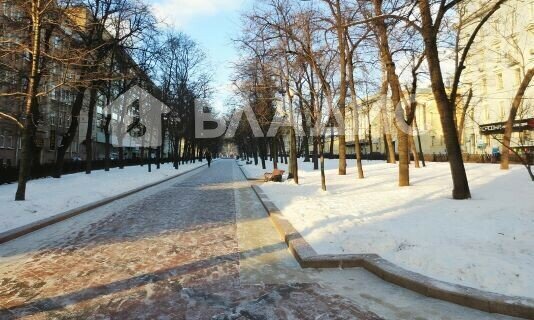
x=168, y=253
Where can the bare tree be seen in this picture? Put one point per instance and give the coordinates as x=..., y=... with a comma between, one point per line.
x=28, y=44
x=516, y=104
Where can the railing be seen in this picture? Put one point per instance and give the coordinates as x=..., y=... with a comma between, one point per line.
x=10, y=174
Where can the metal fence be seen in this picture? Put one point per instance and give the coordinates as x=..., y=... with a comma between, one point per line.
x=10, y=174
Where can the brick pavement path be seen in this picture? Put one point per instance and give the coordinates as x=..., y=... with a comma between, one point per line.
x=171, y=255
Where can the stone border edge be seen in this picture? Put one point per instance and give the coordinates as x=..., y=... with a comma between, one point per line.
x=18, y=232
x=240, y=166
x=473, y=298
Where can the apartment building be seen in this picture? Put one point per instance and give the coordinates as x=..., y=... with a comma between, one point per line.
x=496, y=65
x=56, y=101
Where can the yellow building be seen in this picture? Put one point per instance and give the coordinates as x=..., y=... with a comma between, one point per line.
x=375, y=124
x=496, y=65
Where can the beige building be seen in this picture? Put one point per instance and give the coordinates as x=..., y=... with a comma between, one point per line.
x=373, y=125
x=496, y=65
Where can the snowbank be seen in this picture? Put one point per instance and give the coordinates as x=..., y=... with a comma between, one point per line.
x=486, y=242
x=48, y=197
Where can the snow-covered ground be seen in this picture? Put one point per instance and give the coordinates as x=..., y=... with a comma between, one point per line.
x=48, y=197
x=485, y=243
x=256, y=172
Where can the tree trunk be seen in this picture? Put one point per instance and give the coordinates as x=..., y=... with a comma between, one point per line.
x=68, y=137
x=305, y=139
x=421, y=153
x=331, y=148
x=121, y=157
x=263, y=152
x=404, y=158
x=516, y=104
x=293, y=156
x=284, y=151
x=315, y=154
x=274, y=153
x=340, y=27
x=28, y=133
x=461, y=124
x=89, y=132
x=149, y=159
x=107, y=161
x=321, y=155
x=394, y=83
x=356, y=122
x=445, y=107
x=255, y=151
x=390, y=150
x=158, y=158
x=414, y=151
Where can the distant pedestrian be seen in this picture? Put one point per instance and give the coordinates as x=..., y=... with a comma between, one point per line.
x=208, y=158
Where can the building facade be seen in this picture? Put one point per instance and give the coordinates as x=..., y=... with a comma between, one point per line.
x=56, y=101
x=496, y=65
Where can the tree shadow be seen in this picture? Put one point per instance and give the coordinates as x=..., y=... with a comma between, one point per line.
x=202, y=201
x=33, y=307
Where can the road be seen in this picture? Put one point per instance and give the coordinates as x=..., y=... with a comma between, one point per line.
x=197, y=247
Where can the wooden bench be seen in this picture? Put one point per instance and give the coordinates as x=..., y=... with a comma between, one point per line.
x=275, y=176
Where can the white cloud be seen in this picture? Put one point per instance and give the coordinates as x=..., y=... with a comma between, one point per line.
x=179, y=12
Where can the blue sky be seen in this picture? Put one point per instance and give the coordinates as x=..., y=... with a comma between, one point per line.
x=212, y=23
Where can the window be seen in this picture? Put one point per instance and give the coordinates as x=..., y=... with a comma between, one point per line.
x=424, y=117
x=52, y=118
x=501, y=109
x=497, y=51
x=8, y=140
x=500, y=82
x=525, y=138
x=484, y=86
x=60, y=120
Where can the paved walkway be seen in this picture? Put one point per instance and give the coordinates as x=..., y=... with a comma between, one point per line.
x=168, y=253
x=197, y=247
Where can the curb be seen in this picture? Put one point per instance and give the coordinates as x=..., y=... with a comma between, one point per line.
x=247, y=177
x=473, y=298
x=40, y=224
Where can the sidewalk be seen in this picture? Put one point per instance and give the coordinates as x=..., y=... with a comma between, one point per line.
x=52, y=200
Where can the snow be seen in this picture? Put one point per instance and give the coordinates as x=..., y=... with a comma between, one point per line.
x=49, y=197
x=486, y=242
x=256, y=172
